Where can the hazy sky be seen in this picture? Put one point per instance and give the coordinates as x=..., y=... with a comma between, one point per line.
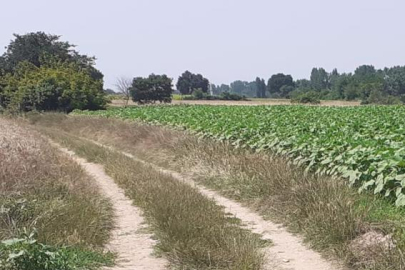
x=222, y=39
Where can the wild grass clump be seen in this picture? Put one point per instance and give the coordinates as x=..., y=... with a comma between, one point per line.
x=191, y=229
x=44, y=191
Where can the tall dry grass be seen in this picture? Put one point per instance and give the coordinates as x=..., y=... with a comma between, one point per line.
x=44, y=190
x=325, y=211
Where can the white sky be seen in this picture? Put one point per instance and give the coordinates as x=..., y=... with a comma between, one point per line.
x=222, y=39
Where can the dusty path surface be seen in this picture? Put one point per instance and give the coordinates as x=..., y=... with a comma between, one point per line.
x=133, y=246
x=287, y=252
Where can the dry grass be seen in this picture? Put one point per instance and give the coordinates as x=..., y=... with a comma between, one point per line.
x=42, y=189
x=329, y=214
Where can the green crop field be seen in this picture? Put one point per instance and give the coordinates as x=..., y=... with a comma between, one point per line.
x=365, y=145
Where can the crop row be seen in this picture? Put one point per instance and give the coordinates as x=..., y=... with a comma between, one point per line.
x=366, y=145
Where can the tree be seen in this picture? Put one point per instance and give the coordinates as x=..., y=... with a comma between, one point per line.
x=55, y=85
x=277, y=81
x=365, y=72
x=319, y=79
x=123, y=86
x=260, y=88
x=151, y=89
x=395, y=80
x=263, y=88
x=303, y=84
x=213, y=89
x=237, y=87
x=35, y=47
x=188, y=82
x=286, y=90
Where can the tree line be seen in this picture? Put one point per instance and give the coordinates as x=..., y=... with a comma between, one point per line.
x=38, y=71
x=366, y=83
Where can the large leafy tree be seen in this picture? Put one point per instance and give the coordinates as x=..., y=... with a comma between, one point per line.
x=238, y=87
x=35, y=47
x=319, y=79
x=189, y=82
x=54, y=85
x=151, y=89
x=395, y=80
x=260, y=88
x=277, y=81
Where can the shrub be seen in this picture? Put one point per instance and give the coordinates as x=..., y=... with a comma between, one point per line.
x=310, y=97
x=198, y=94
x=378, y=97
x=229, y=96
x=56, y=86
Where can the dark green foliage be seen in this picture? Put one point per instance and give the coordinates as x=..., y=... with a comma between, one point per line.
x=276, y=82
x=40, y=72
x=200, y=95
x=238, y=87
x=189, y=82
x=55, y=85
x=34, y=47
x=310, y=97
x=151, y=89
x=366, y=79
x=319, y=79
x=260, y=88
x=229, y=96
x=381, y=98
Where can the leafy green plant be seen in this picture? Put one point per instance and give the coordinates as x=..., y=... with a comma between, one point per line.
x=26, y=253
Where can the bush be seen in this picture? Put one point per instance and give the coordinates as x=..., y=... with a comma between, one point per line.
x=310, y=97
x=152, y=89
x=229, y=96
x=200, y=95
x=380, y=98
x=55, y=86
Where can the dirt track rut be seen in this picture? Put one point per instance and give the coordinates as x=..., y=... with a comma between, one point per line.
x=133, y=246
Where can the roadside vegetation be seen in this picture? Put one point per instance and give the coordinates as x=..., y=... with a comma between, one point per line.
x=364, y=230
x=192, y=231
x=52, y=216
